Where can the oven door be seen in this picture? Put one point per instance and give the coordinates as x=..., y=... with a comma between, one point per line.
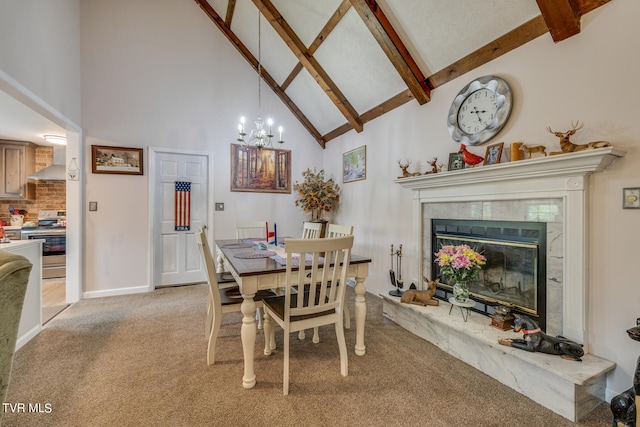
x=54, y=244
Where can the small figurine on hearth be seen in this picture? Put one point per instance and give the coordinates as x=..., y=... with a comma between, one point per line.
x=625, y=405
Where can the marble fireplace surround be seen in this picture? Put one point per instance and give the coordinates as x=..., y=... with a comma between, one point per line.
x=516, y=191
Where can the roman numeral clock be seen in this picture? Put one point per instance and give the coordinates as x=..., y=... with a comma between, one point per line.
x=479, y=110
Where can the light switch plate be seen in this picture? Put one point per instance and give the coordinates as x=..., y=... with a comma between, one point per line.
x=93, y=206
x=631, y=198
x=219, y=206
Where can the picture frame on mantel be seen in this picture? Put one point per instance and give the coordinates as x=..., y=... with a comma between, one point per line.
x=354, y=164
x=117, y=160
x=455, y=162
x=493, y=154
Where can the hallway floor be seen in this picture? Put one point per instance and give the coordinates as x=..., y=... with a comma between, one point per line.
x=53, y=297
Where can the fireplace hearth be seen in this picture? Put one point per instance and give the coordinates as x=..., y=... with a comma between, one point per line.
x=515, y=272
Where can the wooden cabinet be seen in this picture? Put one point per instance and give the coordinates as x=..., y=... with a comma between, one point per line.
x=17, y=160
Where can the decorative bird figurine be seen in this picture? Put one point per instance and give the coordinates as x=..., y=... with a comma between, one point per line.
x=468, y=157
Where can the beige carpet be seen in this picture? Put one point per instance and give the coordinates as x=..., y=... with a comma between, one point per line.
x=140, y=360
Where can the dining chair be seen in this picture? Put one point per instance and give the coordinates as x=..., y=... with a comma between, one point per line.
x=335, y=230
x=221, y=300
x=249, y=229
x=311, y=230
x=322, y=305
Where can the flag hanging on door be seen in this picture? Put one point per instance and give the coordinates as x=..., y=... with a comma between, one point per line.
x=183, y=206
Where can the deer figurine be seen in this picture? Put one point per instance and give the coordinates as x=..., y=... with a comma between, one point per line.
x=435, y=167
x=405, y=166
x=569, y=147
x=529, y=149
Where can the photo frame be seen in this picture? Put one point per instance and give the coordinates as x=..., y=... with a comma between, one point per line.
x=493, y=154
x=455, y=162
x=354, y=164
x=117, y=160
x=267, y=170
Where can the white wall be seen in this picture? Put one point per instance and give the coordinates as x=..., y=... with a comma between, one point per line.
x=591, y=77
x=39, y=47
x=159, y=73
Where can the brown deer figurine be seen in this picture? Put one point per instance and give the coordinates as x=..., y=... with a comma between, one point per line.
x=405, y=166
x=569, y=147
x=528, y=149
x=435, y=167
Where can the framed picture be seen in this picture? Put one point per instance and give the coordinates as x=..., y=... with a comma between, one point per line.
x=493, y=154
x=260, y=171
x=455, y=162
x=118, y=160
x=354, y=164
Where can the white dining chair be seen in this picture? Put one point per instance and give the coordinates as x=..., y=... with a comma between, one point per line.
x=311, y=230
x=251, y=229
x=221, y=300
x=322, y=305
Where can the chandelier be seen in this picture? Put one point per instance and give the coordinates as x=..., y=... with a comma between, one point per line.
x=259, y=137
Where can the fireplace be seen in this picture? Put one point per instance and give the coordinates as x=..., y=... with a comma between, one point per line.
x=515, y=272
x=552, y=191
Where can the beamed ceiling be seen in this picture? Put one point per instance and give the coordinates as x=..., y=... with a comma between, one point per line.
x=338, y=64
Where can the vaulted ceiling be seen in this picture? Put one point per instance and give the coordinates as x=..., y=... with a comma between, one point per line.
x=338, y=64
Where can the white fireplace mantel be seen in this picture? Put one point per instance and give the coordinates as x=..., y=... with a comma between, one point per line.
x=562, y=176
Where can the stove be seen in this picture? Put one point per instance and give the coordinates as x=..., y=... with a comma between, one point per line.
x=52, y=230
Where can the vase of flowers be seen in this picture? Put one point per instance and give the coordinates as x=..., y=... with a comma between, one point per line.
x=460, y=265
x=317, y=194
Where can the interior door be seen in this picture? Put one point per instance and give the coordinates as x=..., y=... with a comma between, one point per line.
x=176, y=257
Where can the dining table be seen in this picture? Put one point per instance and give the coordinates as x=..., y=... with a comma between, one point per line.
x=254, y=268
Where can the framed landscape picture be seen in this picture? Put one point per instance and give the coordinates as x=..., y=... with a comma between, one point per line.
x=116, y=160
x=354, y=164
x=260, y=171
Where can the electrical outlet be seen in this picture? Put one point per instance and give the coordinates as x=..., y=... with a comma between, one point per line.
x=93, y=206
x=219, y=206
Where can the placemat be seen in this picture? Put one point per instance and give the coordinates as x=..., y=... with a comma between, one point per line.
x=237, y=245
x=254, y=254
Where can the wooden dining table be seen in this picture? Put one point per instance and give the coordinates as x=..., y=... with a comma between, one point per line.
x=255, y=273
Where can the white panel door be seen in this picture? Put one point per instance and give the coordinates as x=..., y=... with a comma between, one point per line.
x=176, y=257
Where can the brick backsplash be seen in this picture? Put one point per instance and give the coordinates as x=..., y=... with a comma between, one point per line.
x=49, y=194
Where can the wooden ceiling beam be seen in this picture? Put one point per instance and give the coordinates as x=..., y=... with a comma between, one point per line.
x=515, y=38
x=244, y=51
x=561, y=17
x=586, y=6
x=392, y=45
x=231, y=7
x=329, y=26
x=283, y=29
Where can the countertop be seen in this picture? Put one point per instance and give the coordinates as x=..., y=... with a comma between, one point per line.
x=20, y=243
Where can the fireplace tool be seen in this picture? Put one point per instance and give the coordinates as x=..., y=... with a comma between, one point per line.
x=625, y=407
x=392, y=275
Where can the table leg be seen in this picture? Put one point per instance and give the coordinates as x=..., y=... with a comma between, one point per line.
x=248, y=334
x=361, y=314
x=220, y=264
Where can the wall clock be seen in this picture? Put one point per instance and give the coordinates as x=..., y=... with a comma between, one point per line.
x=479, y=110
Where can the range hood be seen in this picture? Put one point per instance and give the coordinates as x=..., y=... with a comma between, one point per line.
x=55, y=172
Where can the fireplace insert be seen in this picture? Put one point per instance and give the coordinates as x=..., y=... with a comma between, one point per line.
x=515, y=272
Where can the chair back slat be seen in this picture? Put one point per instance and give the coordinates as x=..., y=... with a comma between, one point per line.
x=328, y=261
x=248, y=229
x=311, y=230
x=335, y=230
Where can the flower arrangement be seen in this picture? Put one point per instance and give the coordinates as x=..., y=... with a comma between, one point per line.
x=317, y=195
x=460, y=264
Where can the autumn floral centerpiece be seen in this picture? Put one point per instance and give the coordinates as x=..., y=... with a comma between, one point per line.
x=317, y=194
x=460, y=264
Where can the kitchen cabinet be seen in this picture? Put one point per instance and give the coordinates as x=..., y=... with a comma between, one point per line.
x=17, y=160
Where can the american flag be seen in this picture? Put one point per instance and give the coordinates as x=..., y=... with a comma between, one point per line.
x=183, y=205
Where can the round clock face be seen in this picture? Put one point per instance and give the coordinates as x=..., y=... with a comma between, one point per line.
x=479, y=111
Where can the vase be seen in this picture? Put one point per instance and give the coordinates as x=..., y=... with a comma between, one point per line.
x=460, y=292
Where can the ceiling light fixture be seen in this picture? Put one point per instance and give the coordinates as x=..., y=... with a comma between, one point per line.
x=258, y=137
x=56, y=139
